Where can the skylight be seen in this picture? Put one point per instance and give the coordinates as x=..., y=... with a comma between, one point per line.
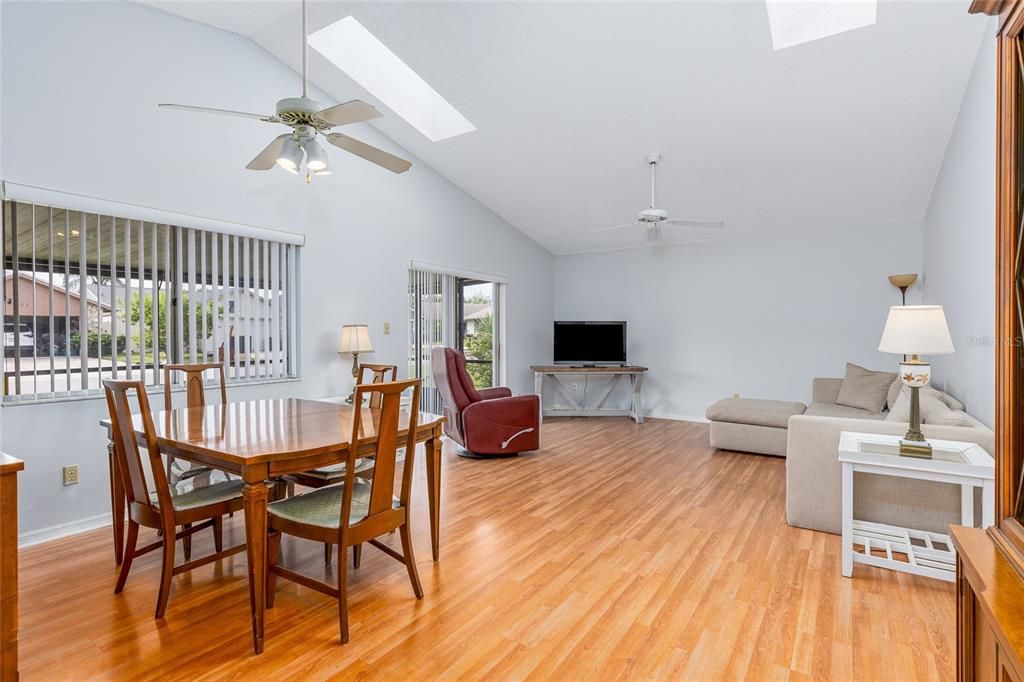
x=794, y=22
x=353, y=49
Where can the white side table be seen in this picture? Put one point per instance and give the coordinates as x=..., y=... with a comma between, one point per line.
x=928, y=554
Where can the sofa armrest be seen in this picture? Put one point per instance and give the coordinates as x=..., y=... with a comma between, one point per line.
x=825, y=390
x=813, y=477
x=504, y=425
x=496, y=392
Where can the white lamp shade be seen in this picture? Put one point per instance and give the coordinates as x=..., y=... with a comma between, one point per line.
x=916, y=330
x=355, y=338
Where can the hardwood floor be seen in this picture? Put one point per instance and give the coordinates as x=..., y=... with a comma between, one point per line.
x=617, y=551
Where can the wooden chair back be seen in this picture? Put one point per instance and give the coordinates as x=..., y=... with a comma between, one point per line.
x=386, y=424
x=378, y=375
x=126, y=447
x=194, y=385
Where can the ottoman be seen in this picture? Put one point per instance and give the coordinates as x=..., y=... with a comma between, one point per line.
x=751, y=424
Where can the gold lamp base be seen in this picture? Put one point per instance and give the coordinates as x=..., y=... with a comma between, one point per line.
x=915, y=374
x=915, y=448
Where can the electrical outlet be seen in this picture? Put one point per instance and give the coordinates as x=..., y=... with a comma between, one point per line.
x=70, y=474
x=574, y=386
x=387, y=328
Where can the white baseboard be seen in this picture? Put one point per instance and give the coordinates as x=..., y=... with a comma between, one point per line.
x=62, y=530
x=678, y=417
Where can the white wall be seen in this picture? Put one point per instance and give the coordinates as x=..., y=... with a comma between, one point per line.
x=758, y=317
x=80, y=85
x=959, y=242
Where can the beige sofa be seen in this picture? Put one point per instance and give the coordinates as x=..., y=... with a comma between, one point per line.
x=813, y=470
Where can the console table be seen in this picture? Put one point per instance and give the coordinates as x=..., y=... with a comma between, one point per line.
x=594, y=407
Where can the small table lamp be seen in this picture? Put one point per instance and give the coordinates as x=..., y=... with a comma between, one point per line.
x=916, y=330
x=355, y=339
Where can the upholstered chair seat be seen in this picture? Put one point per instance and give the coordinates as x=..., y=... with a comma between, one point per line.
x=322, y=506
x=185, y=497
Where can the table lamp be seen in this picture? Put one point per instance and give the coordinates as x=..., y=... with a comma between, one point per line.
x=355, y=339
x=915, y=330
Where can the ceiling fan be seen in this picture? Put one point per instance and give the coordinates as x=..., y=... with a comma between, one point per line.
x=652, y=219
x=308, y=120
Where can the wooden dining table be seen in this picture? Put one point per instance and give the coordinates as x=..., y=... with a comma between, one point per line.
x=261, y=440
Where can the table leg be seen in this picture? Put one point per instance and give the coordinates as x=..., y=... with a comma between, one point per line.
x=637, y=402
x=967, y=505
x=117, y=504
x=538, y=388
x=988, y=503
x=255, y=495
x=433, y=447
x=847, y=493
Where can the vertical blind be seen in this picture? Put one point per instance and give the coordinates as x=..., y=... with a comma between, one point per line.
x=433, y=321
x=90, y=296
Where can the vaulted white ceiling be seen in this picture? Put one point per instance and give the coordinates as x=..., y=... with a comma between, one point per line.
x=568, y=98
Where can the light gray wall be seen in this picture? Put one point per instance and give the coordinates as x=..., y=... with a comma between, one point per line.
x=959, y=242
x=80, y=85
x=757, y=316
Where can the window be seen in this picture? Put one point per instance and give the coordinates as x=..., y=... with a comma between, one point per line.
x=89, y=296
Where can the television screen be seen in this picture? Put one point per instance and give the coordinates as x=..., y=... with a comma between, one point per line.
x=590, y=343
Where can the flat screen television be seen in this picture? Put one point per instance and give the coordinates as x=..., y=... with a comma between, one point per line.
x=590, y=343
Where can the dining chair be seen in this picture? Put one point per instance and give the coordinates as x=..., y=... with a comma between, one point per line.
x=356, y=510
x=335, y=473
x=195, y=396
x=194, y=507
x=378, y=375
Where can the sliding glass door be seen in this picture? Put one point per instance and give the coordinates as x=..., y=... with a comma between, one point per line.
x=456, y=312
x=477, y=338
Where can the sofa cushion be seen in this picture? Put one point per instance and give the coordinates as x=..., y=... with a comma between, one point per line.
x=774, y=413
x=864, y=389
x=833, y=410
x=933, y=411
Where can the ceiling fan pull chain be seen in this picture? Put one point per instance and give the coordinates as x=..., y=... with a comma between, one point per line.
x=653, y=164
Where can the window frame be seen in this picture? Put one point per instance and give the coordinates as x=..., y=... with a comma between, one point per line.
x=274, y=281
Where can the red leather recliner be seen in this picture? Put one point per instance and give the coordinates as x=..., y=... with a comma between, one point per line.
x=488, y=421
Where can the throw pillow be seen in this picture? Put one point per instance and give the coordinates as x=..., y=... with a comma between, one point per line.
x=933, y=411
x=897, y=386
x=864, y=388
x=899, y=409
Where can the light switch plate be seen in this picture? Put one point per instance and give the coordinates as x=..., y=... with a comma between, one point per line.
x=387, y=328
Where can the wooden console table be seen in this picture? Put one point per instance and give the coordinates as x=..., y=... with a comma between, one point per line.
x=9, y=468
x=595, y=407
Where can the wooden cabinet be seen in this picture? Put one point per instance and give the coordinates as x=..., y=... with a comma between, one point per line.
x=990, y=621
x=9, y=468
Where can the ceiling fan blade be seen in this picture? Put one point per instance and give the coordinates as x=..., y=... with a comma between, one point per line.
x=224, y=112
x=696, y=223
x=349, y=112
x=380, y=157
x=616, y=227
x=266, y=159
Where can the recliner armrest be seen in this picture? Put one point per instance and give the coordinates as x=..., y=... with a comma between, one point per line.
x=496, y=392
x=503, y=425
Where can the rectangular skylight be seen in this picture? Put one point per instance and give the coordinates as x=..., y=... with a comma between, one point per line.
x=353, y=49
x=794, y=22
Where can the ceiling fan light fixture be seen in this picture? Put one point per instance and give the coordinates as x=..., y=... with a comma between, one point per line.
x=291, y=156
x=316, y=157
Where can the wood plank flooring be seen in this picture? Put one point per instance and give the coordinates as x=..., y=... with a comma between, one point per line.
x=616, y=552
